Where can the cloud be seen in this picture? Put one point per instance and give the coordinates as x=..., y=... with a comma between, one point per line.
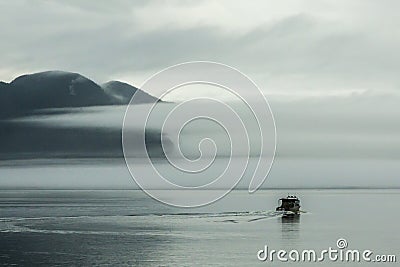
x=354, y=126
x=304, y=46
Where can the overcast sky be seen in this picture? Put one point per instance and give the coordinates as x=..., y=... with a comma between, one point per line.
x=286, y=47
x=329, y=68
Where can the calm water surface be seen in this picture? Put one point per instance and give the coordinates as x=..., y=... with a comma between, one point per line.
x=117, y=227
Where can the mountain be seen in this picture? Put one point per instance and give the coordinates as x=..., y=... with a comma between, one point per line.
x=54, y=89
x=24, y=140
x=59, y=89
x=123, y=92
x=28, y=97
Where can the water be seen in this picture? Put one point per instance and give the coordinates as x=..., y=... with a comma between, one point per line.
x=126, y=227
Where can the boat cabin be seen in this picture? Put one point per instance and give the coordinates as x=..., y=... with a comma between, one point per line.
x=289, y=203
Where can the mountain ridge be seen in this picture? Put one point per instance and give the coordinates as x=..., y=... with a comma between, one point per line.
x=61, y=89
x=123, y=92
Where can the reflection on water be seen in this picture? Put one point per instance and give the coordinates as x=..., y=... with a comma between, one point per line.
x=290, y=226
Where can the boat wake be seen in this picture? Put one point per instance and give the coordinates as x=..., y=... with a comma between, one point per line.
x=252, y=216
x=100, y=224
x=230, y=216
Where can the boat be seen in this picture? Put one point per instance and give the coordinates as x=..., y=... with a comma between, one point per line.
x=289, y=205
